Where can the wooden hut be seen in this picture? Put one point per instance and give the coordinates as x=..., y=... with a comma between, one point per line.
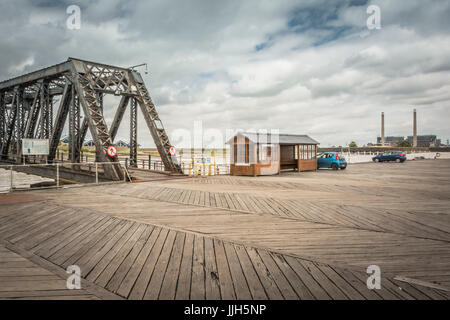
x=255, y=154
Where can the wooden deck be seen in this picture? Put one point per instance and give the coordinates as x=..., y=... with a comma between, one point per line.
x=22, y=279
x=232, y=238
x=140, y=261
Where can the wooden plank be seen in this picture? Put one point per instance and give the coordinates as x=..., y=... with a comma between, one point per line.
x=115, y=263
x=47, y=248
x=212, y=288
x=135, y=270
x=207, y=199
x=128, y=262
x=184, y=279
x=383, y=292
x=271, y=289
x=239, y=282
x=20, y=228
x=359, y=285
x=18, y=271
x=51, y=230
x=169, y=284
x=69, y=249
x=218, y=200
x=78, y=251
x=85, y=253
x=254, y=284
x=103, y=258
x=340, y=282
x=313, y=286
x=198, y=272
x=296, y=283
x=140, y=286
x=8, y=286
x=333, y=291
x=202, y=198
x=226, y=284
x=58, y=294
x=229, y=201
x=212, y=200
x=154, y=286
x=283, y=285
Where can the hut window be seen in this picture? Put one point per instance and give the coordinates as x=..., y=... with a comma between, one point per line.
x=265, y=152
x=306, y=152
x=310, y=152
x=241, y=153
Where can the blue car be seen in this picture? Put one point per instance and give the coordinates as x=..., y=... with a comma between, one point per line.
x=331, y=160
x=396, y=156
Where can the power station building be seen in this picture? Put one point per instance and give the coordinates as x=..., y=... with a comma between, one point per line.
x=414, y=140
x=425, y=141
x=391, y=140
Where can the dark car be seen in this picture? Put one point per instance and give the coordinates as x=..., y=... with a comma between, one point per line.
x=397, y=156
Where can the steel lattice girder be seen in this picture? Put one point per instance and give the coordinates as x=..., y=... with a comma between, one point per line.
x=2, y=119
x=133, y=133
x=26, y=105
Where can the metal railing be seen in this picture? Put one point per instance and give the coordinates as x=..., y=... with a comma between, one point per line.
x=56, y=175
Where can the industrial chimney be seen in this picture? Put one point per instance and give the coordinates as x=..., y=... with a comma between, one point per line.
x=382, y=129
x=415, y=129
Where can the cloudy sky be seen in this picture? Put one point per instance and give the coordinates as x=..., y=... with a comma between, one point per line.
x=307, y=67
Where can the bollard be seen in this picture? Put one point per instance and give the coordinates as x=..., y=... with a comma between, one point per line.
x=96, y=173
x=57, y=175
x=149, y=161
x=11, y=187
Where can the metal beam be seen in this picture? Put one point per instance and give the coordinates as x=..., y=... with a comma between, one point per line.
x=156, y=127
x=28, y=113
x=2, y=118
x=92, y=110
x=33, y=114
x=118, y=116
x=74, y=128
x=34, y=76
x=133, y=133
x=60, y=120
x=44, y=128
x=11, y=125
x=83, y=131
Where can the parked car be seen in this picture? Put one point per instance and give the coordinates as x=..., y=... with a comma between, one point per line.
x=397, y=156
x=331, y=160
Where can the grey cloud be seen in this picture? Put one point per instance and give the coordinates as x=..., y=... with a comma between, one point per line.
x=204, y=65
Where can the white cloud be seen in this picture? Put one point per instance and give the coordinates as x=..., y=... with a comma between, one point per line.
x=313, y=73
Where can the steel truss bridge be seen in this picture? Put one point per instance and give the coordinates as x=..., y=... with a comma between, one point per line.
x=26, y=111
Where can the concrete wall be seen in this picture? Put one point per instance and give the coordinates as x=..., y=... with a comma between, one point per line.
x=360, y=158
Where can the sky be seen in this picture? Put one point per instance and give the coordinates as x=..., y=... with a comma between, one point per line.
x=300, y=67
